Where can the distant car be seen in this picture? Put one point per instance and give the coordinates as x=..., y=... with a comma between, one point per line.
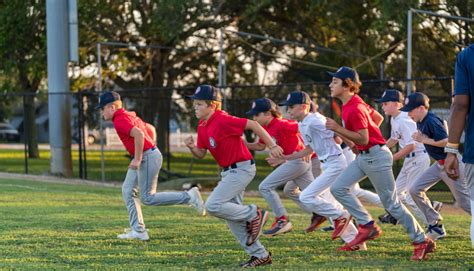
x=9, y=133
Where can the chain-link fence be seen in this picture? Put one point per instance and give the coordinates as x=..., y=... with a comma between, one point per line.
x=98, y=153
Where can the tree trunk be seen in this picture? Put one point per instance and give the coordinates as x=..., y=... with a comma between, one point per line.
x=158, y=107
x=31, y=135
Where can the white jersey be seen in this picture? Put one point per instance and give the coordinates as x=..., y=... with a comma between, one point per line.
x=318, y=137
x=403, y=127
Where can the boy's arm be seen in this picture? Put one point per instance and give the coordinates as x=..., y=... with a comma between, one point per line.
x=197, y=152
x=376, y=117
x=138, y=139
x=151, y=131
x=360, y=137
x=255, y=146
x=391, y=142
x=275, y=150
x=420, y=137
x=297, y=155
x=403, y=152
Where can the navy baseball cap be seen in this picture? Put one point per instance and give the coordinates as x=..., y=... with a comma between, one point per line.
x=343, y=73
x=106, y=98
x=296, y=97
x=207, y=93
x=414, y=100
x=261, y=105
x=391, y=95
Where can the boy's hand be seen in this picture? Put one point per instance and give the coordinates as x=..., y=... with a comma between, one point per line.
x=134, y=164
x=418, y=136
x=276, y=151
x=332, y=124
x=189, y=141
x=272, y=161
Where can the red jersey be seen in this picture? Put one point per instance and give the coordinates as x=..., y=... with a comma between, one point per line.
x=124, y=121
x=356, y=115
x=285, y=134
x=222, y=134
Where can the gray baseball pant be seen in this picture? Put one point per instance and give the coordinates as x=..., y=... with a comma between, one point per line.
x=412, y=169
x=377, y=165
x=432, y=176
x=296, y=175
x=226, y=202
x=469, y=175
x=145, y=181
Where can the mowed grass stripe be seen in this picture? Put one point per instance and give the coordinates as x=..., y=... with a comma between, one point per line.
x=57, y=226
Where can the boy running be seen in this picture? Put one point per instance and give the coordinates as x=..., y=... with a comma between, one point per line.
x=320, y=140
x=374, y=161
x=144, y=167
x=221, y=134
x=295, y=174
x=416, y=160
x=432, y=133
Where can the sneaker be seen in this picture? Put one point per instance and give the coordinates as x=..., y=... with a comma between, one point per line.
x=422, y=249
x=437, y=205
x=195, y=200
x=436, y=232
x=132, y=234
x=281, y=225
x=348, y=247
x=340, y=225
x=255, y=226
x=316, y=221
x=254, y=261
x=388, y=218
x=366, y=232
x=328, y=228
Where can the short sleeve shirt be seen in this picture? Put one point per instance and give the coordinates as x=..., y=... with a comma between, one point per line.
x=464, y=85
x=285, y=134
x=318, y=137
x=124, y=122
x=432, y=126
x=222, y=134
x=356, y=115
x=403, y=127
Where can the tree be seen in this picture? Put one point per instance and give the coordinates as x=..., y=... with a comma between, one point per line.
x=23, y=56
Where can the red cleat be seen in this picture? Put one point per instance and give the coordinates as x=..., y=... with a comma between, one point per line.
x=366, y=232
x=340, y=225
x=316, y=221
x=422, y=249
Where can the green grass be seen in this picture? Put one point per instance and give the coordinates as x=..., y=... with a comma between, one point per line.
x=56, y=226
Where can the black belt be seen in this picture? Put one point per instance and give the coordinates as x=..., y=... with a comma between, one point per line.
x=325, y=160
x=413, y=154
x=150, y=149
x=234, y=165
x=368, y=151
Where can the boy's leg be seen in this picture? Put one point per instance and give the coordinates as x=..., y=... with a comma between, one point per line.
x=341, y=190
x=378, y=167
x=286, y=172
x=132, y=202
x=225, y=202
x=366, y=195
x=417, y=191
x=315, y=167
x=312, y=197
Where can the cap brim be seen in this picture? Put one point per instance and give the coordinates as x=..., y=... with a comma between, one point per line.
x=331, y=74
x=252, y=112
x=407, y=108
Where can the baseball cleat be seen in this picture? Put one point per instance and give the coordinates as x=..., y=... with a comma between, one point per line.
x=195, y=200
x=366, y=232
x=280, y=226
x=340, y=225
x=316, y=221
x=436, y=232
x=388, y=218
x=254, y=261
x=422, y=249
x=348, y=247
x=132, y=234
x=255, y=226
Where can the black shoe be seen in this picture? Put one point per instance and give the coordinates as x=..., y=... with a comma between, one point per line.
x=388, y=218
x=254, y=261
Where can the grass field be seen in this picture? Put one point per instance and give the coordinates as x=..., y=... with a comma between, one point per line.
x=59, y=226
